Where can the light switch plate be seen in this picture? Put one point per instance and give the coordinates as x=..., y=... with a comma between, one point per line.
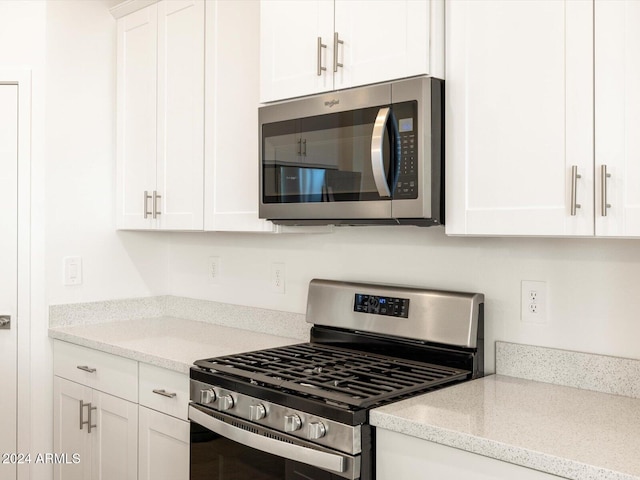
x=72, y=270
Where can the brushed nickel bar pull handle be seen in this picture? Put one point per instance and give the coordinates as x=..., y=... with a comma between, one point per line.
x=603, y=190
x=320, y=47
x=574, y=187
x=304, y=147
x=91, y=425
x=146, y=202
x=164, y=393
x=87, y=369
x=156, y=210
x=82, y=421
x=336, y=42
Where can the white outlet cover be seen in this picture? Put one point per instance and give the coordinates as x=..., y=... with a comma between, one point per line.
x=278, y=277
x=529, y=313
x=72, y=271
x=213, y=270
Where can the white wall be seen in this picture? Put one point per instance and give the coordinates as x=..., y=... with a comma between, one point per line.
x=592, y=283
x=81, y=99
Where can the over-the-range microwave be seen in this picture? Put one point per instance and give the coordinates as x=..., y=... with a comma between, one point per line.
x=368, y=155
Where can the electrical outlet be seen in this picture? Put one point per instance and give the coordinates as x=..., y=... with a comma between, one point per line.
x=277, y=277
x=213, y=269
x=534, y=302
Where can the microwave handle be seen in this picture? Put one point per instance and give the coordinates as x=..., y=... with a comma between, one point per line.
x=377, y=152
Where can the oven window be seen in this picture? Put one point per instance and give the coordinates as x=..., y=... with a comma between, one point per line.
x=214, y=457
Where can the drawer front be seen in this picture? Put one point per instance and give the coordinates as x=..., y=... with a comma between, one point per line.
x=102, y=371
x=164, y=390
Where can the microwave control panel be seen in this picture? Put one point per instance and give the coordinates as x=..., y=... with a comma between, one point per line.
x=407, y=185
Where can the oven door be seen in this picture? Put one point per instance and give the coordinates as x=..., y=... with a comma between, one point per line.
x=226, y=448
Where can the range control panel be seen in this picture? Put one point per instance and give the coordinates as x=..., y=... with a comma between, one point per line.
x=378, y=305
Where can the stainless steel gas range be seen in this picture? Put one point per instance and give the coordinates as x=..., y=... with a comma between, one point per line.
x=301, y=412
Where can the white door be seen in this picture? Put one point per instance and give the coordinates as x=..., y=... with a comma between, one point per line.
x=291, y=58
x=114, y=442
x=9, y=274
x=136, y=135
x=164, y=446
x=617, y=116
x=519, y=116
x=71, y=434
x=180, y=121
x=383, y=40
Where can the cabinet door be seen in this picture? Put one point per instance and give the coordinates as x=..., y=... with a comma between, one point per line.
x=136, y=117
x=617, y=116
x=164, y=446
x=70, y=437
x=519, y=115
x=231, y=117
x=115, y=438
x=180, y=120
x=383, y=40
x=289, y=33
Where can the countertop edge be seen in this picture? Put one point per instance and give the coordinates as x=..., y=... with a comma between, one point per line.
x=486, y=447
x=520, y=456
x=120, y=351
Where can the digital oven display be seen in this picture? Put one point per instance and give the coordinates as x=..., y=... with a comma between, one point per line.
x=377, y=305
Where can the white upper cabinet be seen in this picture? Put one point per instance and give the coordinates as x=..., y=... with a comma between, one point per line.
x=231, y=116
x=316, y=46
x=180, y=120
x=160, y=153
x=383, y=40
x=296, y=48
x=136, y=131
x=617, y=116
x=519, y=117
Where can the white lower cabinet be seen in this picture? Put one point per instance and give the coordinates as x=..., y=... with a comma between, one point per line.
x=400, y=457
x=164, y=446
x=144, y=435
x=97, y=432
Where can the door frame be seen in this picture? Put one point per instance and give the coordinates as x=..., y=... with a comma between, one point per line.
x=22, y=78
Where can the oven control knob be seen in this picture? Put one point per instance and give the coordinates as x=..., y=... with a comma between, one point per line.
x=207, y=396
x=225, y=402
x=257, y=412
x=316, y=430
x=292, y=423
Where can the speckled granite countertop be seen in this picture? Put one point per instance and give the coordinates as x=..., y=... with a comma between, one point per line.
x=561, y=430
x=167, y=342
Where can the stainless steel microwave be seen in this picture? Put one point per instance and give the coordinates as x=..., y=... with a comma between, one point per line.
x=368, y=155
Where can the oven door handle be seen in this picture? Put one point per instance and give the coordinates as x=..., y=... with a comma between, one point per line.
x=377, y=152
x=315, y=458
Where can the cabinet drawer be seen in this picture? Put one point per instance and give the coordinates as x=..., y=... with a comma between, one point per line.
x=102, y=371
x=164, y=390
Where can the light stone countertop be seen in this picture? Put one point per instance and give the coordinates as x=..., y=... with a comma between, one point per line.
x=167, y=342
x=560, y=430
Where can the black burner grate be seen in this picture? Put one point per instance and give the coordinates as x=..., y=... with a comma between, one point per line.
x=341, y=375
